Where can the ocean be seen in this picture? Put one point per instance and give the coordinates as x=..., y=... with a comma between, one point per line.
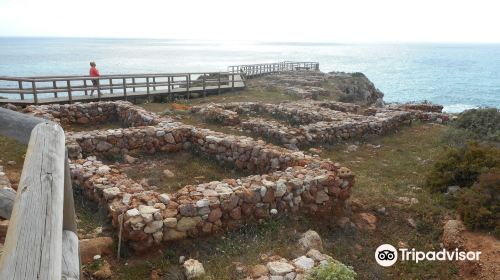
x=458, y=76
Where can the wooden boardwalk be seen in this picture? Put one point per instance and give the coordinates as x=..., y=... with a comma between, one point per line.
x=69, y=89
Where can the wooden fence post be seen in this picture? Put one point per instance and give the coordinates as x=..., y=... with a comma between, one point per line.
x=68, y=84
x=33, y=247
x=125, y=88
x=21, y=89
x=33, y=89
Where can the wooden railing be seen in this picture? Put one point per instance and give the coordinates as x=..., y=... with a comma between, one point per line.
x=133, y=85
x=252, y=70
x=41, y=241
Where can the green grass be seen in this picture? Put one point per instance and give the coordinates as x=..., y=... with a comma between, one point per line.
x=398, y=168
x=187, y=167
x=12, y=150
x=253, y=93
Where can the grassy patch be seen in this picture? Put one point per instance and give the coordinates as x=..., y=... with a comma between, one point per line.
x=88, y=127
x=187, y=168
x=250, y=94
x=396, y=169
x=12, y=150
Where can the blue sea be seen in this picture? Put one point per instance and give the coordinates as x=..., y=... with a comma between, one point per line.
x=459, y=76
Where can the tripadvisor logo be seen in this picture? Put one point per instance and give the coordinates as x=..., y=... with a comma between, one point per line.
x=386, y=255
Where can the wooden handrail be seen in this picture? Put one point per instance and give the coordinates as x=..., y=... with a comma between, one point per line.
x=41, y=241
x=33, y=246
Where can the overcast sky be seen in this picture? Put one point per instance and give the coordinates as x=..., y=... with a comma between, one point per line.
x=257, y=20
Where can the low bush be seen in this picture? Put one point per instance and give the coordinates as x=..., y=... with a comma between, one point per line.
x=483, y=124
x=332, y=270
x=479, y=206
x=462, y=166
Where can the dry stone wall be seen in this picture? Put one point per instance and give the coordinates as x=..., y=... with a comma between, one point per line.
x=94, y=113
x=308, y=123
x=285, y=181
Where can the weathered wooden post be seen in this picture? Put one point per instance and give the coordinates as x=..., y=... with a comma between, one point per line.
x=33, y=247
x=204, y=86
x=110, y=85
x=70, y=97
x=218, y=83
x=125, y=88
x=33, y=89
x=21, y=89
x=84, y=85
x=147, y=89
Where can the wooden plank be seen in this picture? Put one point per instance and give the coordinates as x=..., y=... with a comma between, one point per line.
x=7, y=197
x=70, y=265
x=17, y=125
x=33, y=248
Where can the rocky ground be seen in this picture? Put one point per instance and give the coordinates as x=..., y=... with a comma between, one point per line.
x=389, y=203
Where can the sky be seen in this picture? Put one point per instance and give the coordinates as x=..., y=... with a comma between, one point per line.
x=473, y=21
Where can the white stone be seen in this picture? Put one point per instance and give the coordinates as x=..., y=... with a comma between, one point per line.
x=103, y=170
x=193, y=269
x=153, y=226
x=164, y=198
x=147, y=217
x=202, y=203
x=110, y=193
x=279, y=268
x=263, y=191
x=304, y=263
x=280, y=189
x=170, y=222
x=145, y=209
x=126, y=198
x=133, y=212
x=274, y=211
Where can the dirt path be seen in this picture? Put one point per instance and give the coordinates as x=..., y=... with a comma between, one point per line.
x=489, y=264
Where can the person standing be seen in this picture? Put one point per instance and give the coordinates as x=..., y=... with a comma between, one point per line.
x=94, y=73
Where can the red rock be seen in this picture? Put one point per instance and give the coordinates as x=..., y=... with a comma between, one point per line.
x=215, y=215
x=235, y=213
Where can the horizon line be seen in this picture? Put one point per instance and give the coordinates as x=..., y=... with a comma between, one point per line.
x=254, y=41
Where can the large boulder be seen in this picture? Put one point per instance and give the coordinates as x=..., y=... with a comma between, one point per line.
x=193, y=269
x=452, y=237
x=309, y=240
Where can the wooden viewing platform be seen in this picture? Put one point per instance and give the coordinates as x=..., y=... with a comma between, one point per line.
x=70, y=89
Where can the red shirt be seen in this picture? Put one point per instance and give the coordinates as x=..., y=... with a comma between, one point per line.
x=94, y=72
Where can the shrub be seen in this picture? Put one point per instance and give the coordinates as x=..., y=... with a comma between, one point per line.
x=462, y=166
x=483, y=123
x=479, y=206
x=333, y=270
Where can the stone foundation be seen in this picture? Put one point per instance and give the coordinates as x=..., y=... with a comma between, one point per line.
x=285, y=181
x=94, y=113
x=307, y=123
